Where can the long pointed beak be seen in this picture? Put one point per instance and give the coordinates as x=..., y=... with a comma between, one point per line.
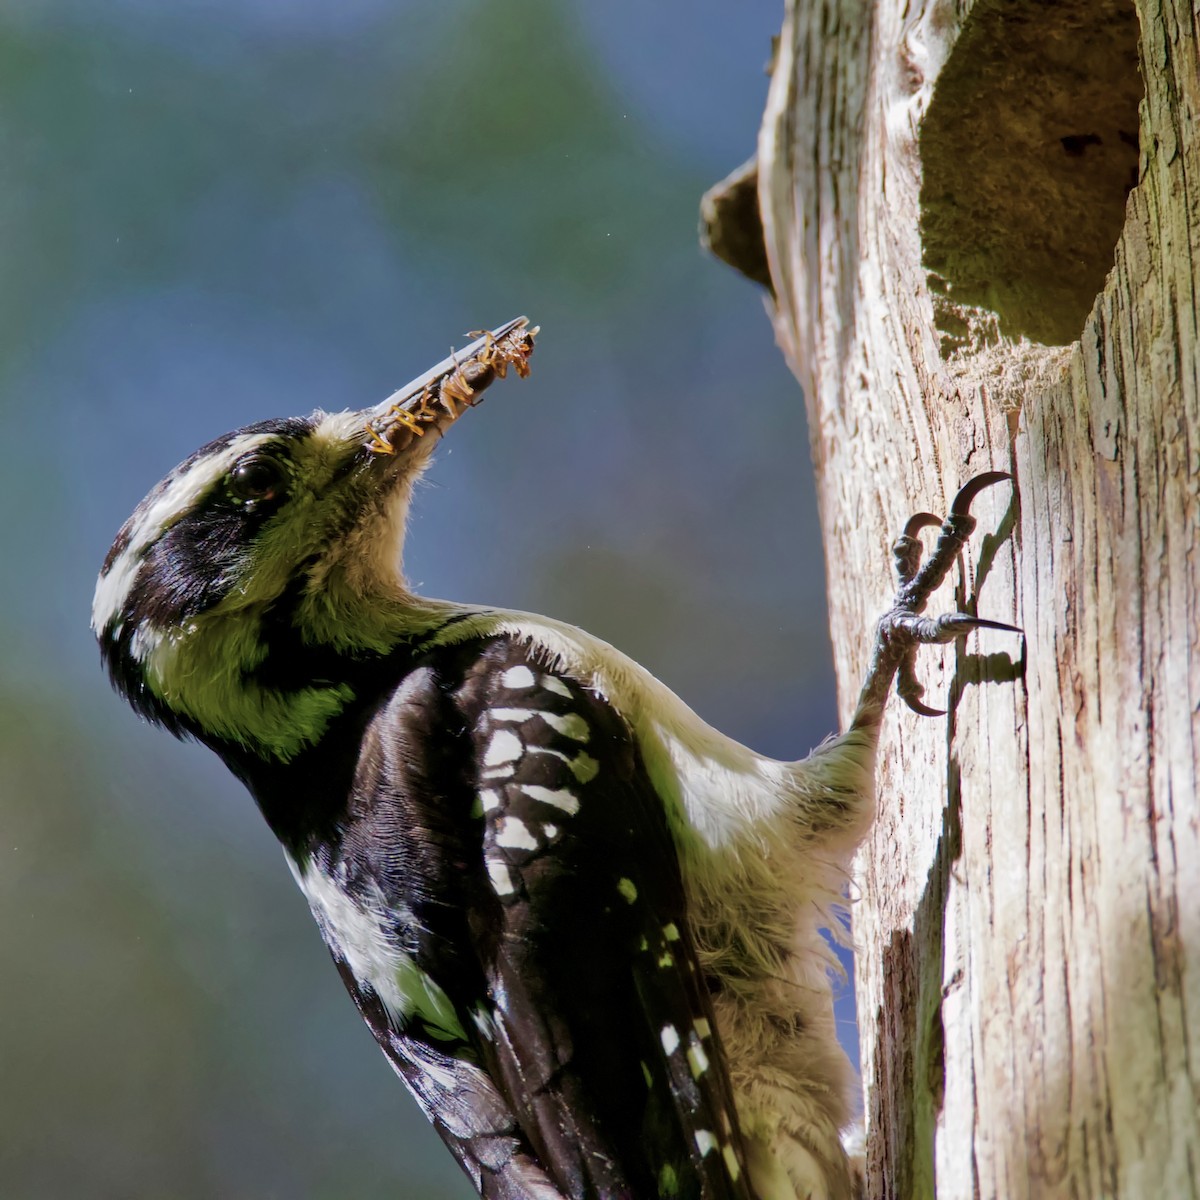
x=432, y=403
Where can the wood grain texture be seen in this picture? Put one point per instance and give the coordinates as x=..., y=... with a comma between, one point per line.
x=1029, y=920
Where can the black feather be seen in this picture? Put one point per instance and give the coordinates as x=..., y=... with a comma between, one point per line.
x=560, y=936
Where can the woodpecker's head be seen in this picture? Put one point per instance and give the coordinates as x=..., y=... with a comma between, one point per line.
x=273, y=543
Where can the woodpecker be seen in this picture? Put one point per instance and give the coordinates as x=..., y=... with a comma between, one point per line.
x=583, y=926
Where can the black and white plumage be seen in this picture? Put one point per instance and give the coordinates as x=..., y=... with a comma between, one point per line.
x=502, y=846
x=583, y=926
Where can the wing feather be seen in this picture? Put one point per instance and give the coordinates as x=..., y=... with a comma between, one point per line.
x=606, y=1041
x=508, y=861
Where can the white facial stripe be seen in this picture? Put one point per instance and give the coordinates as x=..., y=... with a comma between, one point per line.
x=180, y=492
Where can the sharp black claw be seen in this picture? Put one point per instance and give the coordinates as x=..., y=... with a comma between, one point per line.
x=919, y=521
x=910, y=689
x=923, y=710
x=904, y=628
x=972, y=488
x=982, y=623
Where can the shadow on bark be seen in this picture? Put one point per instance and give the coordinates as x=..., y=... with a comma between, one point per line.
x=910, y=1036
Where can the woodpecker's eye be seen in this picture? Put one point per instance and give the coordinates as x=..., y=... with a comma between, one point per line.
x=256, y=478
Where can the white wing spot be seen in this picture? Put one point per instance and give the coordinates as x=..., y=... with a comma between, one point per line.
x=551, y=831
x=570, y=725
x=505, y=747
x=555, y=685
x=559, y=798
x=670, y=1040
x=517, y=677
x=489, y=801
x=513, y=716
x=584, y=767
x=628, y=889
x=731, y=1163
x=514, y=834
x=501, y=878
x=706, y=1143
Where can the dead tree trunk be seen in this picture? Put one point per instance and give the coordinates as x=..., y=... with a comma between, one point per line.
x=945, y=189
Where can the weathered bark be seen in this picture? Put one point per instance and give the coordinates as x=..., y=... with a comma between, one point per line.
x=945, y=189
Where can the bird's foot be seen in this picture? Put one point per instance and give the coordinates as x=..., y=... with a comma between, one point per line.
x=902, y=629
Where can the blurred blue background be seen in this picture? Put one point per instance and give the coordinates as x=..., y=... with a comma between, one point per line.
x=216, y=211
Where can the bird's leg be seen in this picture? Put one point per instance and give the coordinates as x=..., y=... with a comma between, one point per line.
x=902, y=628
